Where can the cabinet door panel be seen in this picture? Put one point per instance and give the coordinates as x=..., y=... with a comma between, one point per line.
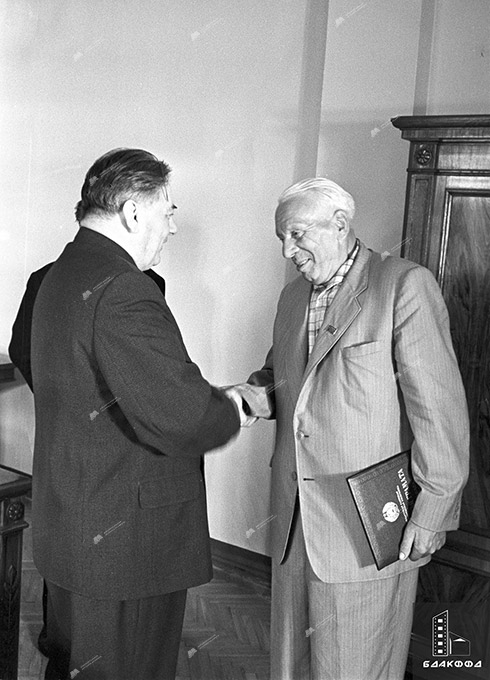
x=464, y=276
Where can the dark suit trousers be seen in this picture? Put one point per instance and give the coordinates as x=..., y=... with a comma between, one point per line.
x=113, y=640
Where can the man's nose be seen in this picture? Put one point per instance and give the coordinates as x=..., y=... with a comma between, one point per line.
x=289, y=247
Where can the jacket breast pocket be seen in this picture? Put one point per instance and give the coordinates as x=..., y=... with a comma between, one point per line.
x=157, y=493
x=362, y=349
x=366, y=369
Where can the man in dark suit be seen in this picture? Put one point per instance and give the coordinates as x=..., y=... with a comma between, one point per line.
x=20, y=354
x=122, y=418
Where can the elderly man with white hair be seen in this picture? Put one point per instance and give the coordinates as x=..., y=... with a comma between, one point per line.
x=361, y=368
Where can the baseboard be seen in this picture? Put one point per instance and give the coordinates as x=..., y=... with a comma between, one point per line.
x=244, y=563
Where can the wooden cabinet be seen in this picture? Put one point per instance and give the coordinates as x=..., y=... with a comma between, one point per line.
x=447, y=229
x=13, y=487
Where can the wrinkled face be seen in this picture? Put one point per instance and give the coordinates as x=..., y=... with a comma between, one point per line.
x=313, y=236
x=156, y=216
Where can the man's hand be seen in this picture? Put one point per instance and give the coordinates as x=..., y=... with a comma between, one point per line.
x=245, y=418
x=257, y=398
x=419, y=542
x=253, y=401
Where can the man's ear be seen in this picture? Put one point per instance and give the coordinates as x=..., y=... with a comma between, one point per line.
x=342, y=224
x=129, y=216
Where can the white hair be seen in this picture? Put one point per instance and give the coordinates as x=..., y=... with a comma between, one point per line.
x=326, y=189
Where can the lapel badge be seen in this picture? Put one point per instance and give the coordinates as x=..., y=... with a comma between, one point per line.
x=331, y=329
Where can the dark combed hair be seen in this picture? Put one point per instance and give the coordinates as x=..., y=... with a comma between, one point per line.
x=117, y=176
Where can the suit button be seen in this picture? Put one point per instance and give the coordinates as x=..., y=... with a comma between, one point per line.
x=294, y=476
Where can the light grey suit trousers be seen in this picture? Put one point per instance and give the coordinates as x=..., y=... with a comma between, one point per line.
x=337, y=631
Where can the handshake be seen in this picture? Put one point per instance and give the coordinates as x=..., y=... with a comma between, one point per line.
x=252, y=402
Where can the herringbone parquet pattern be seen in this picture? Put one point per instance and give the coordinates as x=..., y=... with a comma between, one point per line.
x=225, y=636
x=226, y=633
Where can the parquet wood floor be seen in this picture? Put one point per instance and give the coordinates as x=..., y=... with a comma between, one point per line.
x=225, y=635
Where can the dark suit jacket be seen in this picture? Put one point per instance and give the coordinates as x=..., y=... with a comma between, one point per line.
x=122, y=418
x=20, y=343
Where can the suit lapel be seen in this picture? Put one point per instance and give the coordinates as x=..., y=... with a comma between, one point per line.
x=343, y=311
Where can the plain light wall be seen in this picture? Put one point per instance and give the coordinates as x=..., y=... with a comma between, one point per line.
x=213, y=87
x=460, y=60
x=370, y=72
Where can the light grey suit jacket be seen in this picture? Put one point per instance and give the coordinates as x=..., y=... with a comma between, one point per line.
x=382, y=378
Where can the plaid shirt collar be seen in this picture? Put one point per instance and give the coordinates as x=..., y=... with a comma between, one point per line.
x=341, y=272
x=322, y=296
